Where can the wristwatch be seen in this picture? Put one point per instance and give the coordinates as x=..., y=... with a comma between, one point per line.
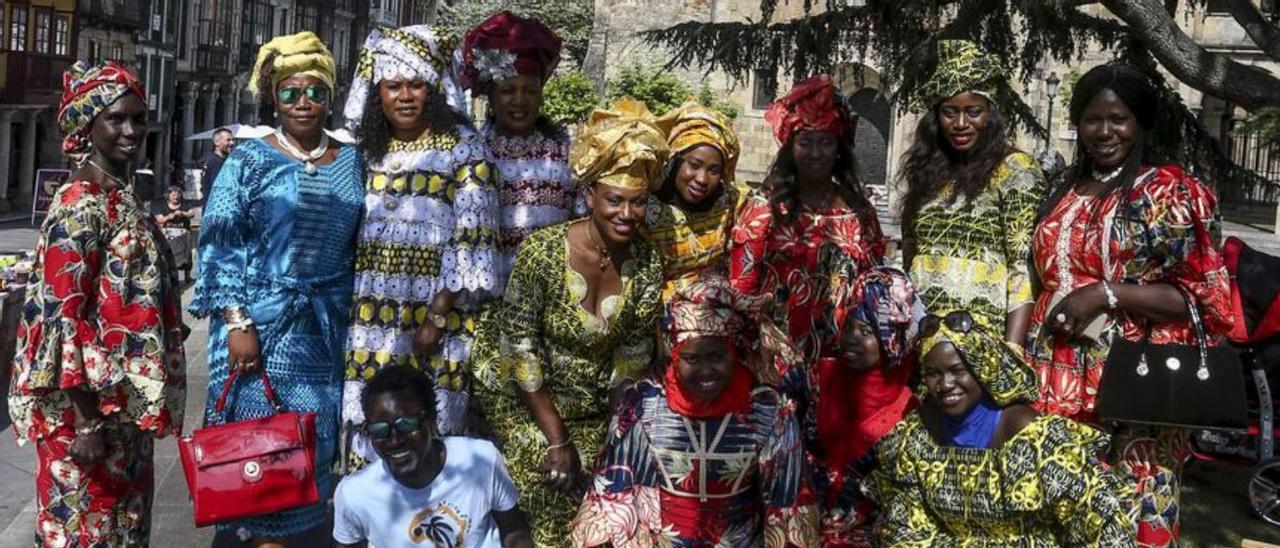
x=438, y=320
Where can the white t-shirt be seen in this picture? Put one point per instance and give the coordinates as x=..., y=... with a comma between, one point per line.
x=454, y=510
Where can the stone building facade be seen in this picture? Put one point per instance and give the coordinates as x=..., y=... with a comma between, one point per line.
x=883, y=132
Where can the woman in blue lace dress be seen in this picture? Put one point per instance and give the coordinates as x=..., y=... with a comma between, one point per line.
x=276, y=265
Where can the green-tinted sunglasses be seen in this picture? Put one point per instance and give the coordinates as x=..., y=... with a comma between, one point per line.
x=315, y=94
x=404, y=426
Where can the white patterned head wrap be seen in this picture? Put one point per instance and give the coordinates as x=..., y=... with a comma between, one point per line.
x=418, y=51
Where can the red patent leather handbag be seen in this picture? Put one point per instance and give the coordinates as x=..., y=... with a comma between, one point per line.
x=251, y=467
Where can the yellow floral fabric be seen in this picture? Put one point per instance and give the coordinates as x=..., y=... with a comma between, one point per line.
x=692, y=243
x=974, y=256
x=540, y=336
x=1043, y=487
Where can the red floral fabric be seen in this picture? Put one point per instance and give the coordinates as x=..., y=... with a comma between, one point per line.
x=1172, y=236
x=106, y=504
x=102, y=315
x=799, y=257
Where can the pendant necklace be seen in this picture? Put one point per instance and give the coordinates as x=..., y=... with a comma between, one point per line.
x=126, y=182
x=605, y=259
x=308, y=159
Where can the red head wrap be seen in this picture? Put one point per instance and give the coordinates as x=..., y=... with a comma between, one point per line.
x=811, y=104
x=88, y=89
x=506, y=45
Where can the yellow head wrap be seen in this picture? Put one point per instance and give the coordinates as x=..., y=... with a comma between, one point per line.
x=620, y=146
x=693, y=125
x=998, y=368
x=296, y=54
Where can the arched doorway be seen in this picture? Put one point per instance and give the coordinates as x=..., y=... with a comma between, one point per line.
x=872, y=139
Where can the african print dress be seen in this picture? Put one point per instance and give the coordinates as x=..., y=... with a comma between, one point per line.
x=102, y=315
x=1171, y=236
x=692, y=243
x=431, y=222
x=280, y=242
x=974, y=255
x=1042, y=487
x=542, y=337
x=535, y=189
x=664, y=479
x=795, y=260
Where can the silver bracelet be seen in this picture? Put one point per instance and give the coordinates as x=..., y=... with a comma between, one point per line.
x=235, y=314
x=1112, y=301
x=561, y=445
x=242, y=325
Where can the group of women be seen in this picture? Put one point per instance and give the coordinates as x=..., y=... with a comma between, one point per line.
x=663, y=355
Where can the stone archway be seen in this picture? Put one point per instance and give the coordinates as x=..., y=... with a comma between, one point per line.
x=871, y=142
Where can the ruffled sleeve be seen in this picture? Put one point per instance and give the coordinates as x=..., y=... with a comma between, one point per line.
x=99, y=317
x=224, y=233
x=790, y=510
x=1020, y=194
x=632, y=357
x=471, y=258
x=1178, y=240
x=509, y=345
x=904, y=519
x=622, y=507
x=1053, y=467
x=750, y=234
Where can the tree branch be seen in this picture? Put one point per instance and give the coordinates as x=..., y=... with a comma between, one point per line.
x=1218, y=75
x=1261, y=31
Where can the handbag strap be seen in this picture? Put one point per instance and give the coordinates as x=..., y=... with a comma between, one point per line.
x=1193, y=310
x=272, y=397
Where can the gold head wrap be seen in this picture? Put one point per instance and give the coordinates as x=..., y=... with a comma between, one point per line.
x=296, y=54
x=998, y=368
x=692, y=125
x=620, y=146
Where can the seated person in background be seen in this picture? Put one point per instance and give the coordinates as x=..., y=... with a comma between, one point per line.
x=975, y=465
x=170, y=213
x=424, y=490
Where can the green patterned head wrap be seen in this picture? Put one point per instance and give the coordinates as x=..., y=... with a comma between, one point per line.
x=961, y=67
x=998, y=367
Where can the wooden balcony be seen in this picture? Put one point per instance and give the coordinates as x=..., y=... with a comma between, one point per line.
x=32, y=78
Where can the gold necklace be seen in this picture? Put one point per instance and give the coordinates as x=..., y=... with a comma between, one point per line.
x=605, y=259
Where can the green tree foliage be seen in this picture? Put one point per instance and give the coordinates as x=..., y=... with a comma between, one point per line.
x=569, y=97
x=571, y=19
x=901, y=35
x=1265, y=123
x=661, y=90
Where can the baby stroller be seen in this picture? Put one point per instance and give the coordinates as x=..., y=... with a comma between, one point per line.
x=1255, y=303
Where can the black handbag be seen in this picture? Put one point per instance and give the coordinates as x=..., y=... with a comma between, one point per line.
x=1174, y=384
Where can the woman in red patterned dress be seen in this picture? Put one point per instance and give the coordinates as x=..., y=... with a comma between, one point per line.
x=810, y=213
x=1120, y=238
x=100, y=369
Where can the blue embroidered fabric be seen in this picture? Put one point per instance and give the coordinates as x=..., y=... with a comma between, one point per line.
x=281, y=243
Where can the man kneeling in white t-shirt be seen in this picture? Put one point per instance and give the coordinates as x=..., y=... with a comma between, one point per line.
x=424, y=490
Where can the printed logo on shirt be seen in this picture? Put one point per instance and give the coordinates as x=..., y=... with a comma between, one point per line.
x=442, y=525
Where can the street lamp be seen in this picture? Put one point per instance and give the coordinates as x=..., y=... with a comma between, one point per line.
x=1051, y=86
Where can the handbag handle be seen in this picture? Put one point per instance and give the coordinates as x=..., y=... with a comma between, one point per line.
x=272, y=397
x=1193, y=310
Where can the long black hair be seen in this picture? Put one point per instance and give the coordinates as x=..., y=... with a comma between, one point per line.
x=374, y=133
x=1138, y=93
x=782, y=182
x=931, y=165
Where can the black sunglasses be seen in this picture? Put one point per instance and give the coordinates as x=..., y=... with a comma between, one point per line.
x=404, y=426
x=315, y=94
x=959, y=321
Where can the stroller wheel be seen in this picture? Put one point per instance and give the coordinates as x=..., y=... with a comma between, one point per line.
x=1264, y=490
